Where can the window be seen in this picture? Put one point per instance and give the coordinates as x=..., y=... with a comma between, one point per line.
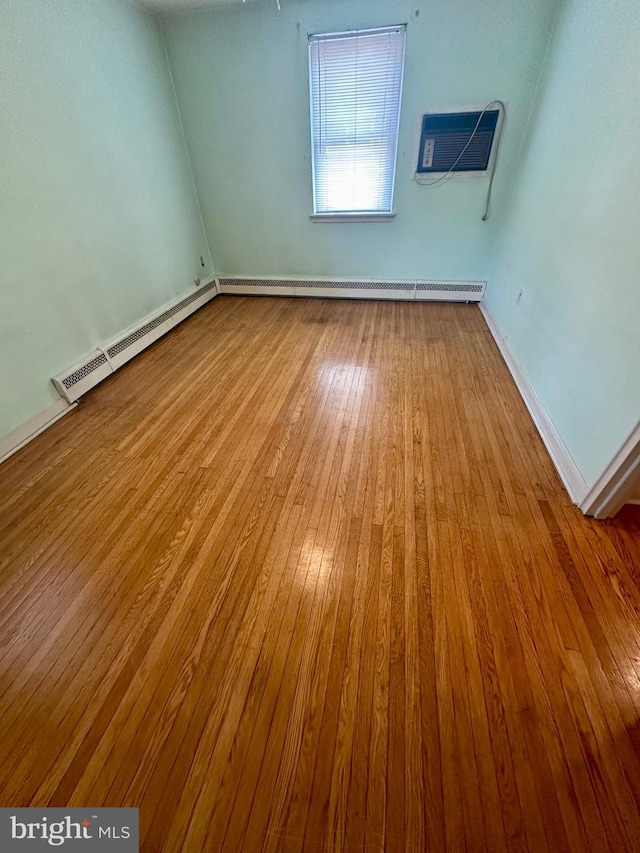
x=355, y=86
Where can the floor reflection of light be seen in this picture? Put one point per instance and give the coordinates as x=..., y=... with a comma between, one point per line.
x=630, y=675
x=351, y=381
x=342, y=375
x=317, y=558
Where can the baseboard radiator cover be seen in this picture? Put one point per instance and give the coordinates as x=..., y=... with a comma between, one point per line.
x=72, y=383
x=343, y=288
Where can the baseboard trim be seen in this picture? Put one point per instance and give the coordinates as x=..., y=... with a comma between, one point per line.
x=615, y=486
x=353, y=288
x=26, y=432
x=564, y=463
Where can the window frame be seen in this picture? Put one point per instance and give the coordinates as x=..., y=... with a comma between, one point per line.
x=355, y=215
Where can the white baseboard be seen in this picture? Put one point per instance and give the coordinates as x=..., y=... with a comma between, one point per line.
x=564, y=463
x=27, y=431
x=346, y=288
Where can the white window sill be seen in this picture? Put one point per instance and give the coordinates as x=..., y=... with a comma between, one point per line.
x=351, y=217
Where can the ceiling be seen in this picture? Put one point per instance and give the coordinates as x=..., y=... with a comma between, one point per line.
x=172, y=5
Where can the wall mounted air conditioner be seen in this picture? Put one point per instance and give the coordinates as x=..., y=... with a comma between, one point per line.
x=458, y=142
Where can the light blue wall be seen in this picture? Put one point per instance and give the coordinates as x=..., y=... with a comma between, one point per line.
x=571, y=240
x=98, y=219
x=242, y=81
x=99, y=223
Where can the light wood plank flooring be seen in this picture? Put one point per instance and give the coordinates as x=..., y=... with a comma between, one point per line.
x=302, y=577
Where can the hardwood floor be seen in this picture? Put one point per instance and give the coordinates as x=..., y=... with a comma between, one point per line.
x=302, y=577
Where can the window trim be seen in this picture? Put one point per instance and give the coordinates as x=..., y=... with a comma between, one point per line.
x=354, y=215
x=357, y=216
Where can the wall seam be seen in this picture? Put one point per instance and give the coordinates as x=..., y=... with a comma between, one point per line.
x=510, y=201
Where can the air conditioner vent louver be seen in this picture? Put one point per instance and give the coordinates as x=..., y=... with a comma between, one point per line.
x=457, y=141
x=142, y=331
x=75, y=377
x=451, y=148
x=349, y=288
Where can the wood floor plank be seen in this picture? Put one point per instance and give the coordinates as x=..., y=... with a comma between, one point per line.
x=302, y=577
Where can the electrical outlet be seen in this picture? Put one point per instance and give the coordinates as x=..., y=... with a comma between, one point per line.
x=197, y=281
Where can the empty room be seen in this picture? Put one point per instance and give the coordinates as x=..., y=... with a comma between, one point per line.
x=319, y=426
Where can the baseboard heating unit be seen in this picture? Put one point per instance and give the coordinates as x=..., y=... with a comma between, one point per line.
x=102, y=362
x=414, y=289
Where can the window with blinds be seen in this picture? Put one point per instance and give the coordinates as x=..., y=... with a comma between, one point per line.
x=355, y=87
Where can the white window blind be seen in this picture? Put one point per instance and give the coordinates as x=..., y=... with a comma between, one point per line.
x=356, y=87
